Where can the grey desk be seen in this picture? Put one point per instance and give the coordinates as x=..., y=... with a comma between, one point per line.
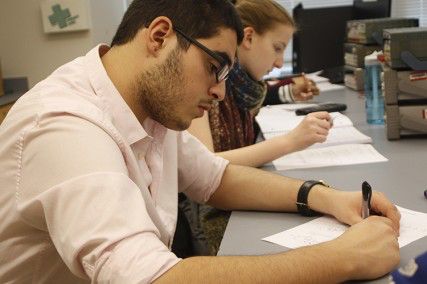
x=403, y=178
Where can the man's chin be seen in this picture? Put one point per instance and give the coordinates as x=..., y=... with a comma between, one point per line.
x=177, y=125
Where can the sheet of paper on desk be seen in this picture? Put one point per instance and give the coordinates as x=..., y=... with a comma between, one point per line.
x=338, y=155
x=413, y=226
x=279, y=119
x=281, y=107
x=316, y=78
x=323, y=83
x=279, y=72
x=336, y=136
x=327, y=86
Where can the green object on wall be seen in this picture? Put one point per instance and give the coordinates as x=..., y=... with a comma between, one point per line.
x=61, y=17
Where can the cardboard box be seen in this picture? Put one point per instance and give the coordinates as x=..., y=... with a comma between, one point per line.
x=410, y=120
x=371, y=30
x=404, y=86
x=354, y=78
x=354, y=54
x=397, y=41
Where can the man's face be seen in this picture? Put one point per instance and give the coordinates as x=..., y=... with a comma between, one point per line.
x=183, y=86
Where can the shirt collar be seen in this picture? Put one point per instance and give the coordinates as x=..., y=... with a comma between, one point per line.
x=112, y=102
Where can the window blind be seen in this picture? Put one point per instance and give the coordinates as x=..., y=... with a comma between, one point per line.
x=410, y=8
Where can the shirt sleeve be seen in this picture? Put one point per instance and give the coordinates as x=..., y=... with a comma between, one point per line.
x=74, y=186
x=285, y=94
x=277, y=92
x=200, y=170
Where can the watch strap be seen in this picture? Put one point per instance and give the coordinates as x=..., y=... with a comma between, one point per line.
x=302, y=203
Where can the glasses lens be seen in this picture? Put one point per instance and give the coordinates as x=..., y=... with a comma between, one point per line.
x=222, y=73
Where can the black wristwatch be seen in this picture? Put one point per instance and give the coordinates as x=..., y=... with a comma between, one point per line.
x=302, y=204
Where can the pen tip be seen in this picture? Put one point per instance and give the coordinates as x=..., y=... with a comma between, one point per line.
x=365, y=184
x=366, y=191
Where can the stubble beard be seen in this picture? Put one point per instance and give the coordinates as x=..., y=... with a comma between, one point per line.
x=160, y=92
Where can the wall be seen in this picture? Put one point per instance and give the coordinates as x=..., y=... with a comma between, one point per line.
x=106, y=16
x=25, y=50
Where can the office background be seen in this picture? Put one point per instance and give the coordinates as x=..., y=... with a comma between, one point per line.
x=26, y=51
x=399, y=8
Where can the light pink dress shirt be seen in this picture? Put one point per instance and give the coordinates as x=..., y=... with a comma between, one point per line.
x=87, y=193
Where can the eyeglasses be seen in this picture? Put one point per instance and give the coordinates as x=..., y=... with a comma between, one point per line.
x=221, y=72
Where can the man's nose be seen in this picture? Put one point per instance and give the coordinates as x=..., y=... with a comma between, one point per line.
x=218, y=91
x=278, y=63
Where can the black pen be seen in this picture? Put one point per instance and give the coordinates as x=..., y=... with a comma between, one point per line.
x=366, y=199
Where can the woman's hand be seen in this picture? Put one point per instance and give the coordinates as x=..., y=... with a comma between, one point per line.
x=304, y=89
x=313, y=129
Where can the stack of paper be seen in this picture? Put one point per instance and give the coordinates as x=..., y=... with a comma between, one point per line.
x=339, y=155
x=323, y=83
x=413, y=226
x=344, y=145
x=281, y=119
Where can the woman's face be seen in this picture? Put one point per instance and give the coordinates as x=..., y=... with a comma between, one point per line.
x=259, y=54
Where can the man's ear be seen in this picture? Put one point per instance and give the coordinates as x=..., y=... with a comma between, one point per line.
x=248, y=34
x=158, y=34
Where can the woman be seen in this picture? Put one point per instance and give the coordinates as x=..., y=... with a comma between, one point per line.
x=228, y=128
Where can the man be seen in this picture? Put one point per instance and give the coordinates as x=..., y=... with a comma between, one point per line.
x=93, y=158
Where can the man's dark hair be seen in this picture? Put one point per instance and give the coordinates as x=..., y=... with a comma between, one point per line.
x=196, y=18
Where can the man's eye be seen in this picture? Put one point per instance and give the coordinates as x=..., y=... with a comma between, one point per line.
x=213, y=68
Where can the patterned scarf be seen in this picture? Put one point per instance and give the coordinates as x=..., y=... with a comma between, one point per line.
x=246, y=92
x=232, y=120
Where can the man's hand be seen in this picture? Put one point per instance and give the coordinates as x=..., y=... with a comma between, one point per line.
x=347, y=208
x=313, y=129
x=304, y=89
x=370, y=247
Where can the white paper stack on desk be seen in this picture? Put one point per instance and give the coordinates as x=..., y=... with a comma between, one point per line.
x=344, y=145
x=323, y=83
x=279, y=119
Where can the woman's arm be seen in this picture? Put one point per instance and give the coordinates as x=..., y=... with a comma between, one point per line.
x=201, y=129
x=313, y=129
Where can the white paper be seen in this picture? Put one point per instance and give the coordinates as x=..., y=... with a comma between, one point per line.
x=280, y=107
x=326, y=86
x=281, y=119
x=316, y=78
x=344, y=135
x=347, y=154
x=413, y=226
x=279, y=72
x=336, y=136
